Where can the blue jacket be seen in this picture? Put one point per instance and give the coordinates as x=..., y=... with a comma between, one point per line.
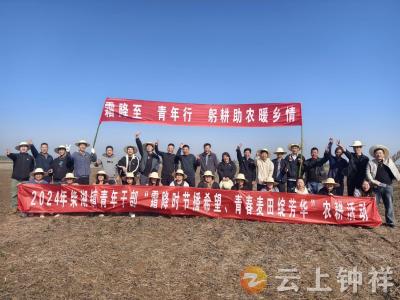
x=82, y=163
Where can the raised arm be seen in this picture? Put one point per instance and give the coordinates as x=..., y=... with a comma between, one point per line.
x=34, y=151
x=139, y=143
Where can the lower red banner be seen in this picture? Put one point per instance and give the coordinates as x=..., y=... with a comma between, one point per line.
x=243, y=205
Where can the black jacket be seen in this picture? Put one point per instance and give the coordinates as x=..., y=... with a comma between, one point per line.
x=23, y=165
x=226, y=169
x=246, y=166
x=294, y=166
x=189, y=163
x=357, y=168
x=169, y=163
x=314, y=169
x=133, y=165
x=41, y=161
x=282, y=176
x=61, y=166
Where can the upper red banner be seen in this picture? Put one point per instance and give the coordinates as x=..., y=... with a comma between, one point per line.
x=210, y=115
x=244, y=205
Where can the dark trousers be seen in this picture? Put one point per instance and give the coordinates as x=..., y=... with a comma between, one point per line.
x=281, y=187
x=166, y=180
x=291, y=186
x=191, y=181
x=350, y=187
x=248, y=185
x=83, y=180
x=340, y=189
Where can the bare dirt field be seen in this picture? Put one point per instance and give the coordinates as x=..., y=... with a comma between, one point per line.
x=156, y=257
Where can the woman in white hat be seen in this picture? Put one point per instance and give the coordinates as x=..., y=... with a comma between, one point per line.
x=301, y=187
x=240, y=183
x=130, y=179
x=23, y=165
x=37, y=177
x=382, y=172
x=154, y=179
x=281, y=168
x=270, y=185
x=179, y=179
x=82, y=161
x=357, y=165
x=329, y=188
x=101, y=178
x=208, y=181
x=69, y=179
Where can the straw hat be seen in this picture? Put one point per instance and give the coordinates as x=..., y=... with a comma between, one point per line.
x=22, y=144
x=130, y=175
x=264, y=150
x=293, y=145
x=102, y=172
x=240, y=176
x=280, y=150
x=148, y=143
x=60, y=147
x=154, y=175
x=357, y=144
x=331, y=181
x=82, y=142
x=226, y=184
x=69, y=176
x=38, y=171
x=208, y=173
x=180, y=171
x=270, y=180
x=130, y=146
x=379, y=147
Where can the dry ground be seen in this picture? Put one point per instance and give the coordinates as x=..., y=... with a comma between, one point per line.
x=156, y=257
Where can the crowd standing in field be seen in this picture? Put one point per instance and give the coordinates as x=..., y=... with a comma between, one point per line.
x=287, y=172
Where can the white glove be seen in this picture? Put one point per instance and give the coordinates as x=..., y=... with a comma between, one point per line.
x=93, y=151
x=67, y=147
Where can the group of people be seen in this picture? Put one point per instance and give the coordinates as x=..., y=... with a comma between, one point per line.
x=286, y=172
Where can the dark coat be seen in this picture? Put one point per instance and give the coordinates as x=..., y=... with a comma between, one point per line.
x=282, y=176
x=23, y=165
x=246, y=166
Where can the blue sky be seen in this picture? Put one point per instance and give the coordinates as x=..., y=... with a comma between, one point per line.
x=59, y=60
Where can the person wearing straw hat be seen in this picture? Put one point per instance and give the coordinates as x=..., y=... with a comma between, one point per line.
x=295, y=166
x=108, y=162
x=69, y=179
x=179, y=179
x=280, y=169
x=264, y=168
x=61, y=165
x=129, y=179
x=169, y=163
x=38, y=177
x=329, y=188
x=188, y=163
x=301, y=188
x=270, y=185
x=101, y=178
x=82, y=161
x=314, y=170
x=337, y=166
x=23, y=165
x=208, y=181
x=240, y=183
x=42, y=159
x=128, y=163
x=247, y=166
x=150, y=161
x=382, y=171
x=226, y=170
x=357, y=165
x=154, y=179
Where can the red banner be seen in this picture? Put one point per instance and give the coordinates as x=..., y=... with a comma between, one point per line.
x=257, y=206
x=210, y=115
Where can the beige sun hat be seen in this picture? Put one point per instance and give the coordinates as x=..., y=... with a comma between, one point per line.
x=293, y=145
x=154, y=175
x=357, y=144
x=38, y=171
x=180, y=171
x=102, y=172
x=264, y=150
x=82, y=142
x=69, y=176
x=270, y=180
x=22, y=144
x=226, y=184
x=60, y=147
x=330, y=181
x=240, y=176
x=130, y=146
x=130, y=175
x=148, y=143
x=377, y=147
x=280, y=150
x=208, y=173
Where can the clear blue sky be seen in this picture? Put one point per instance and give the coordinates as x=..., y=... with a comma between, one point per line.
x=60, y=59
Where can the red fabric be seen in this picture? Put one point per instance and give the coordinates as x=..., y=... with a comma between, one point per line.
x=259, y=206
x=210, y=115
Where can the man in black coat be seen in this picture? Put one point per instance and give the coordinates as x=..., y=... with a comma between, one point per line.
x=280, y=169
x=247, y=166
x=169, y=163
x=295, y=166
